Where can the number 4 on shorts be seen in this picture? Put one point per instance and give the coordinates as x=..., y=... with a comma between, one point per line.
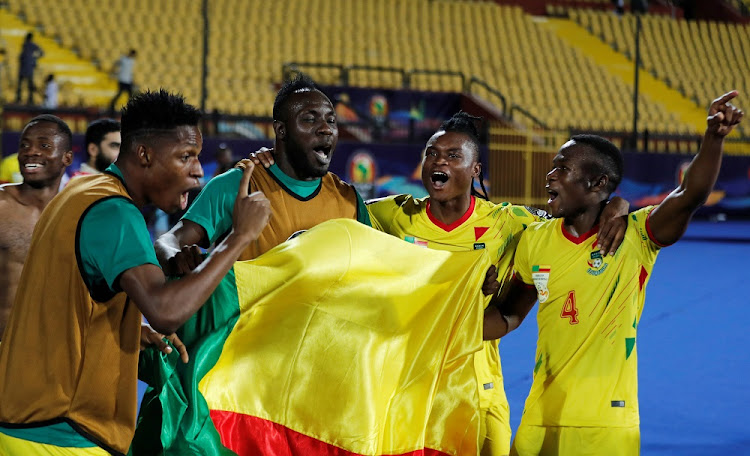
x=569, y=309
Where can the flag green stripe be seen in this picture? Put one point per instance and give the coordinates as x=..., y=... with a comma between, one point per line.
x=174, y=417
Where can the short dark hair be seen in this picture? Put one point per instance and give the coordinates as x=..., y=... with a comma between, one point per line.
x=62, y=127
x=98, y=129
x=301, y=82
x=152, y=113
x=609, y=158
x=463, y=122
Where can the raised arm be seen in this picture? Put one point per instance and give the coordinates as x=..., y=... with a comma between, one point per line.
x=178, y=250
x=167, y=305
x=668, y=221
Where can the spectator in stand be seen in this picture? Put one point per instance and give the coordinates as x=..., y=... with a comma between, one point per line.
x=30, y=52
x=51, y=92
x=124, y=70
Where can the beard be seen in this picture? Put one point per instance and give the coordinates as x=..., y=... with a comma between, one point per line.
x=302, y=164
x=101, y=162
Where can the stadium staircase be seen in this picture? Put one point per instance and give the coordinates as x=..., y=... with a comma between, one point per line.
x=691, y=119
x=81, y=83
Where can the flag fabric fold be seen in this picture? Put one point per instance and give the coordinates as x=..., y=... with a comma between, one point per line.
x=343, y=341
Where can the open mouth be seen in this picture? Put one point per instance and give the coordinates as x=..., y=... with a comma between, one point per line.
x=33, y=167
x=184, y=200
x=552, y=195
x=439, y=179
x=323, y=154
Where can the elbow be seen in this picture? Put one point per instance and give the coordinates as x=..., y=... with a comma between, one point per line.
x=163, y=325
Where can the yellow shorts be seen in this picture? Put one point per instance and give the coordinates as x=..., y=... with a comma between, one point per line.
x=494, y=433
x=576, y=441
x=13, y=446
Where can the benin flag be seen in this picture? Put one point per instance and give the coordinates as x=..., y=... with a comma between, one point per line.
x=343, y=341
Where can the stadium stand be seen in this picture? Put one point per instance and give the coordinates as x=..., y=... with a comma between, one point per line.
x=81, y=82
x=686, y=55
x=169, y=45
x=547, y=80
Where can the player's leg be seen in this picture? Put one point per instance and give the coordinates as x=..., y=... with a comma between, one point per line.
x=529, y=440
x=593, y=441
x=496, y=430
x=578, y=441
x=494, y=409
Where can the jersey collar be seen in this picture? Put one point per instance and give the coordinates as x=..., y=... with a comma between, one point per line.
x=455, y=224
x=579, y=239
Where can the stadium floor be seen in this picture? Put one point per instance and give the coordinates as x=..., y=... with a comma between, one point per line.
x=693, y=347
x=693, y=343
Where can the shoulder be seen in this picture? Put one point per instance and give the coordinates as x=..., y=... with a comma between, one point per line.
x=542, y=227
x=341, y=186
x=404, y=203
x=229, y=180
x=336, y=180
x=9, y=193
x=116, y=207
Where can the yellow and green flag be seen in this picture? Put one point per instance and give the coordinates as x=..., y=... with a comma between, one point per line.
x=344, y=341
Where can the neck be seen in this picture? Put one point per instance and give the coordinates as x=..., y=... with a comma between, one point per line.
x=583, y=221
x=449, y=211
x=39, y=196
x=133, y=178
x=285, y=165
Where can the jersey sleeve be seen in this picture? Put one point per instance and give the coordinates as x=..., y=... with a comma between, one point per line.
x=214, y=206
x=381, y=212
x=113, y=238
x=640, y=220
x=521, y=267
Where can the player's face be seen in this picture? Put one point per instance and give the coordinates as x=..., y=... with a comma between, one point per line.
x=109, y=149
x=42, y=154
x=174, y=169
x=567, y=182
x=311, y=134
x=449, y=165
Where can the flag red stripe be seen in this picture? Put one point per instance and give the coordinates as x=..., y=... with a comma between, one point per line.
x=251, y=436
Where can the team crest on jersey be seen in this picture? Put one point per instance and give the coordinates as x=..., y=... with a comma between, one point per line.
x=596, y=263
x=415, y=241
x=540, y=276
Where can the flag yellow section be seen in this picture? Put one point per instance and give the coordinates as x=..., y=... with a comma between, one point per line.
x=359, y=340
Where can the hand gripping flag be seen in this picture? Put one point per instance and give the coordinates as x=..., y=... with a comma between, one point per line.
x=343, y=341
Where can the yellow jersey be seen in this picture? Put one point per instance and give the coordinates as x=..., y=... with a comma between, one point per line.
x=589, y=306
x=495, y=228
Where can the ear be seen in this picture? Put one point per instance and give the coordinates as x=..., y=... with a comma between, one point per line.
x=599, y=184
x=93, y=150
x=477, y=169
x=279, y=129
x=67, y=158
x=144, y=155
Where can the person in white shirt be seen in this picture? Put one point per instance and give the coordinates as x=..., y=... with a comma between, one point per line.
x=51, y=92
x=124, y=70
